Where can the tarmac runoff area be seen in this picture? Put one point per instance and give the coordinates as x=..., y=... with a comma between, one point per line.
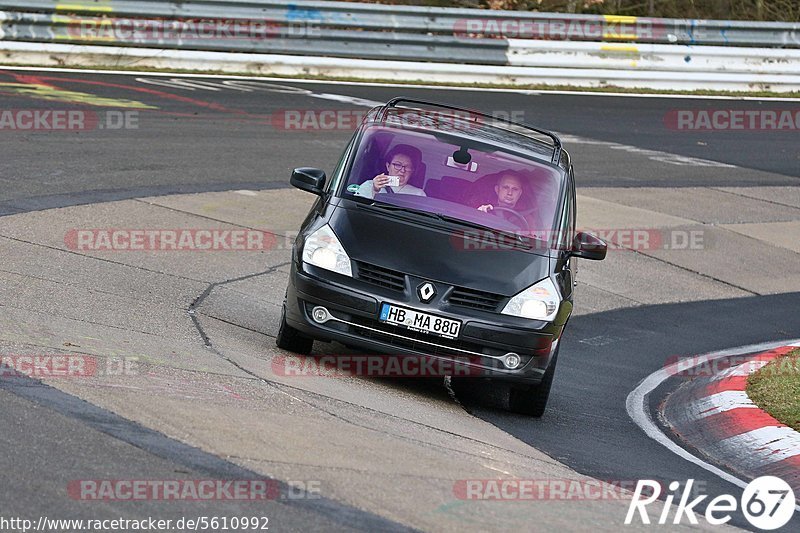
x=201, y=329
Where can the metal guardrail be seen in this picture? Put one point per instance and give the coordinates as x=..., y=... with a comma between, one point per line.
x=444, y=21
x=250, y=35
x=681, y=59
x=418, y=42
x=353, y=30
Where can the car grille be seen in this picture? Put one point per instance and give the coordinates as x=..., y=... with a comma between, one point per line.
x=380, y=276
x=485, y=301
x=395, y=280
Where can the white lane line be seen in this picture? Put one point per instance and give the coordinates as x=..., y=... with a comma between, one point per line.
x=490, y=467
x=654, y=155
x=347, y=99
x=637, y=406
x=403, y=85
x=240, y=85
x=177, y=83
x=718, y=403
x=761, y=447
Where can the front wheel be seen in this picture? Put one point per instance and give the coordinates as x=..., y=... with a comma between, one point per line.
x=291, y=339
x=532, y=399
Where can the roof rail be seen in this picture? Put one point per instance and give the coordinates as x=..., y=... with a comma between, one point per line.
x=557, y=148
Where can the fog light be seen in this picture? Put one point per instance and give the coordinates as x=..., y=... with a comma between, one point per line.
x=320, y=315
x=511, y=360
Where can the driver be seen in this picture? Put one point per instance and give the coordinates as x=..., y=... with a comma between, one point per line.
x=508, y=191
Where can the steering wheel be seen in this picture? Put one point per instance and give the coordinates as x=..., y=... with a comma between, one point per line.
x=516, y=214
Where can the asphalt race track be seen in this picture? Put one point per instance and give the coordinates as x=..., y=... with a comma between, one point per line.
x=191, y=139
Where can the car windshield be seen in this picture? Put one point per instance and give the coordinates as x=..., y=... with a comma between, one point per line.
x=455, y=178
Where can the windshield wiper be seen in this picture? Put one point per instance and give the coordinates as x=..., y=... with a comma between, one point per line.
x=522, y=240
x=392, y=207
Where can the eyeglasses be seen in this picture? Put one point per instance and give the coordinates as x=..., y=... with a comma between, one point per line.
x=402, y=168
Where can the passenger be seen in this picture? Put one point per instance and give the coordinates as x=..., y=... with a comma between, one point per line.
x=401, y=161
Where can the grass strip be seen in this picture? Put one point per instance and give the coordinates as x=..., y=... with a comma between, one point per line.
x=775, y=388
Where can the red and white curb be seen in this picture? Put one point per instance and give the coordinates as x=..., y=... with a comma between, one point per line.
x=714, y=416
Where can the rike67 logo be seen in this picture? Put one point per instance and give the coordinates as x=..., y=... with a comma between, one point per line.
x=767, y=502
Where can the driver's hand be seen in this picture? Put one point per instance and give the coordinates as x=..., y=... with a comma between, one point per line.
x=485, y=208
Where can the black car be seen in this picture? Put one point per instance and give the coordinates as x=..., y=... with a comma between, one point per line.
x=442, y=233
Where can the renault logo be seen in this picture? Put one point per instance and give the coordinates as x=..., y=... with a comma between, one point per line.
x=426, y=292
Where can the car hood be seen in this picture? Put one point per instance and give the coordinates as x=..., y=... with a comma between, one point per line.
x=418, y=246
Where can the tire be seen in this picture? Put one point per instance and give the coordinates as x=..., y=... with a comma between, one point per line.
x=291, y=339
x=532, y=399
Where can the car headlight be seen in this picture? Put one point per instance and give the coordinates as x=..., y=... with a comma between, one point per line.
x=538, y=302
x=323, y=249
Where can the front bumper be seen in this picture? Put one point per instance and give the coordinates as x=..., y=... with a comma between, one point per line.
x=354, y=322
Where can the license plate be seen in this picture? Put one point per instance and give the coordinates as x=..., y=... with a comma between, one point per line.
x=418, y=321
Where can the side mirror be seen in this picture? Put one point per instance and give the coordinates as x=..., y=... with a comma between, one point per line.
x=588, y=246
x=309, y=179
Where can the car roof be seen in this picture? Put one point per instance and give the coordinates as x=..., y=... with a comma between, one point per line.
x=469, y=125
